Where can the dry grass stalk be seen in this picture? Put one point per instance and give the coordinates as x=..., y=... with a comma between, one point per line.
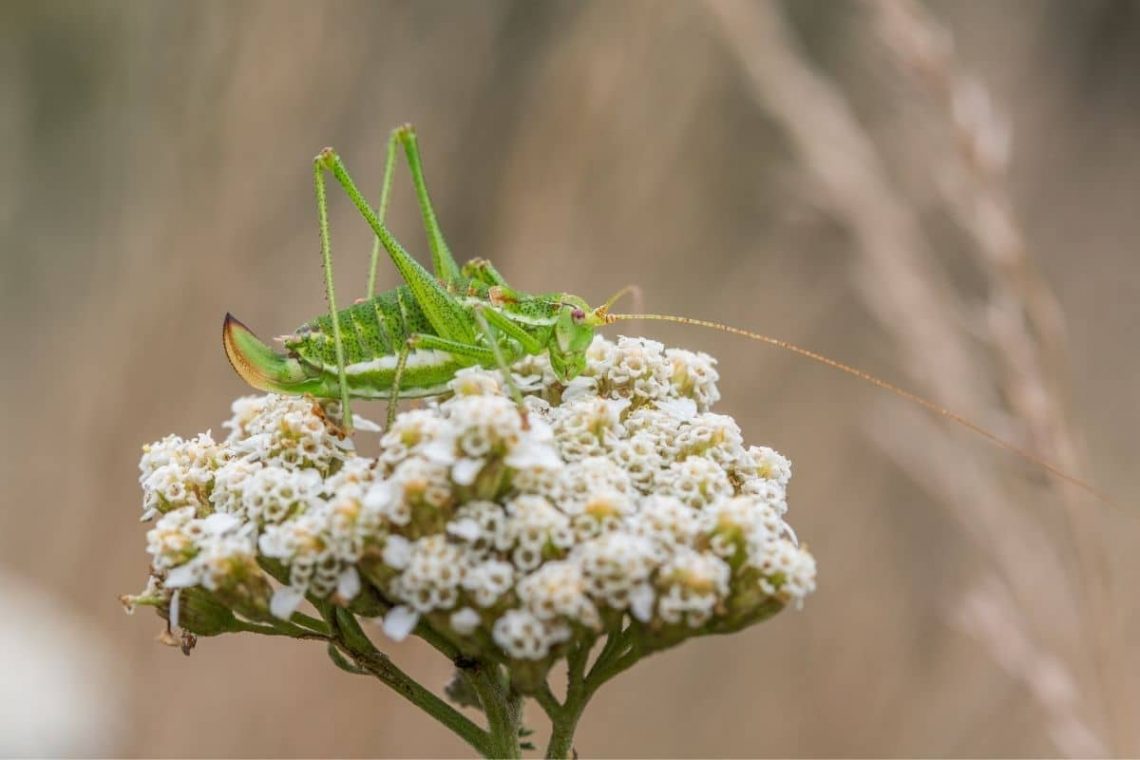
x=1023, y=320
x=919, y=308
x=988, y=613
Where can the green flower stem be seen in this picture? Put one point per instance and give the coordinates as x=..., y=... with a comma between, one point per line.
x=616, y=645
x=381, y=667
x=348, y=637
x=603, y=671
x=546, y=699
x=501, y=704
x=281, y=629
x=305, y=627
x=614, y=641
x=298, y=627
x=313, y=624
x=564, y=717
x=562, y=737
x=438, y=642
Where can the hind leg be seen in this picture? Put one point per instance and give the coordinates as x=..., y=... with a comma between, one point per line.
x=382, y=212
x=447, y=315
x=443, y=262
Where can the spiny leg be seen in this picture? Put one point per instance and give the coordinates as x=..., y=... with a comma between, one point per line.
x=530, y=344
x=382, y=211
x=443, y=310
x=397, y=379
x=330, y=292
x=500, y=360
x=442, y=261
x=482, y=272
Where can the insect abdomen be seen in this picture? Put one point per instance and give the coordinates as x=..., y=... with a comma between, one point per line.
x=369, y=329
x=373, y=334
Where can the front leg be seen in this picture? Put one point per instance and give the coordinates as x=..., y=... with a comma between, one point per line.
x=483, y=271
x=492, y=338
x=499, y=321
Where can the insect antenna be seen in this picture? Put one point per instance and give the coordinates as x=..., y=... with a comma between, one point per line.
x=877, y=382
x=634, y=290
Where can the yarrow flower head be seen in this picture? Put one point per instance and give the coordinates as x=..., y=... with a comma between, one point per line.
x=616, y=504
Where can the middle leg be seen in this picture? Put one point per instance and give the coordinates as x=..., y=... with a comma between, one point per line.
x=501, y=361
x=330, y=291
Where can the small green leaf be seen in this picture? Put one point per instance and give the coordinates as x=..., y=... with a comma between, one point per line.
x=202, y=614
x=339, y=660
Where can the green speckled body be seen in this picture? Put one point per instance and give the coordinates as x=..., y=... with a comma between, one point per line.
x=374, y=331
x=410, y=341
x=372, y=328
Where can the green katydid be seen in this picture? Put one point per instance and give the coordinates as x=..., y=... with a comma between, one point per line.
x=408, y=342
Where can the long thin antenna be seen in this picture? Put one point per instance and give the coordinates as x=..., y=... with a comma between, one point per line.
x=628, y=289
x=880, y=383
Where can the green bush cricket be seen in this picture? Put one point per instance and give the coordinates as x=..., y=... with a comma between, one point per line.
x=408, y=342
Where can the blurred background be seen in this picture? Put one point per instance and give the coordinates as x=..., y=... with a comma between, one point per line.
x=943, y=194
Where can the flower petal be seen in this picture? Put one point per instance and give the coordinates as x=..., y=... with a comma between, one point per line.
x=641, y=601
x=399, y=622
x=182, y=576
x=465, y=471
x=285, y=602
x=348, y=584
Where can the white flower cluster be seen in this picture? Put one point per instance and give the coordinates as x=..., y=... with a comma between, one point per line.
x=618, y=496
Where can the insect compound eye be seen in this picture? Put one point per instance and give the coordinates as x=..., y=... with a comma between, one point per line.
x=577, y=315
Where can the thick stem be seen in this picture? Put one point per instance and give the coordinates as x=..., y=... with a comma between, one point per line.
x=547, y=701
x=562, y=737
x=581, y=689
x=501, y=704
x=561, y=743
x=564, y=717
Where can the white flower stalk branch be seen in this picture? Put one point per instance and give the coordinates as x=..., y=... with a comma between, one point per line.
x=619, y=512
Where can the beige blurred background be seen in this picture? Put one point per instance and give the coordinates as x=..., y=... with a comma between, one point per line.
x=827, y=172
